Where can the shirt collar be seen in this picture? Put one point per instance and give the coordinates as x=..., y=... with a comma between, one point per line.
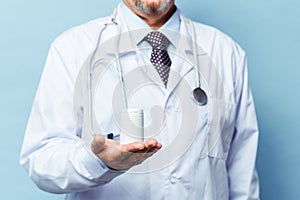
x=131, y=38
x=134, y=23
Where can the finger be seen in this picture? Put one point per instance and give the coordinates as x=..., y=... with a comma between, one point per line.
x=145, y=153
x=152, y=143
x=98, y=144
x=158, y=146
x=151, y=151
x=134, y=147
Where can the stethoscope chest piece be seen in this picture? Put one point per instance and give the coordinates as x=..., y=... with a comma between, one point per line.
x=200, y=96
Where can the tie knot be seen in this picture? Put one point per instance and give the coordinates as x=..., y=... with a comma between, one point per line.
x=157, y=40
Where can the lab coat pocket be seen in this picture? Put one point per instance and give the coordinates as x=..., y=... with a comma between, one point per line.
x=221, y=128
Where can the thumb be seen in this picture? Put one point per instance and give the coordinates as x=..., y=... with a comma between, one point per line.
x=98, y=144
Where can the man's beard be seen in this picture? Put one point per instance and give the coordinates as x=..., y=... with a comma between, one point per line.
x=153, y=8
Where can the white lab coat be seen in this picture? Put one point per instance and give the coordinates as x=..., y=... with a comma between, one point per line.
x=217, y=163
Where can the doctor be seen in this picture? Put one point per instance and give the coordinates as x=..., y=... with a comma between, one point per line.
x=192, y=152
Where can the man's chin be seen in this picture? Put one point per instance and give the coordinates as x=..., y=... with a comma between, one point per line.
x=152, y=8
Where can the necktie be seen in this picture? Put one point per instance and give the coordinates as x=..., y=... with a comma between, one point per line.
x=159, y=55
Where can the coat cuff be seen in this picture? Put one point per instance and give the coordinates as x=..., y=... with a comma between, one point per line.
x=90, y=166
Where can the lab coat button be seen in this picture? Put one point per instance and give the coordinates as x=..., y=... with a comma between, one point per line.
x=172, y=180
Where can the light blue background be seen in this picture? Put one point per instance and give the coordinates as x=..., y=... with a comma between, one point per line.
x=268, y=30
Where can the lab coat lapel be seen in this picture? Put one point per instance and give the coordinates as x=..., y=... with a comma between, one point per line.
x=142, y=64
x=151, y=73
x=132, y=61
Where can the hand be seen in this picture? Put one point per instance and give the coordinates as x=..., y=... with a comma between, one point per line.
x=123, y=156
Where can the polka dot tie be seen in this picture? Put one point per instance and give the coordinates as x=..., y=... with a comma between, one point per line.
x=159, y=55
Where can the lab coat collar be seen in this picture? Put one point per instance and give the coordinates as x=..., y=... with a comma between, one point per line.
x=185, y=45
x=184, y=49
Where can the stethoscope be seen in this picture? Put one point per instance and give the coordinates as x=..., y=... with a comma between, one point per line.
x=199, y=94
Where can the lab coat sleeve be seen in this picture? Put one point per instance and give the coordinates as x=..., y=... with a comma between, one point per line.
x=242, y=175
x=53, y=153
